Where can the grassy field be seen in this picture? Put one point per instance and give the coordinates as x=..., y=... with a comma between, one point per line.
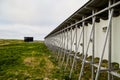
x=20, y=60
x=27, y=61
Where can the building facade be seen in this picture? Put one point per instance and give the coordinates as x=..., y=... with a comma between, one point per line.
x=93, y=30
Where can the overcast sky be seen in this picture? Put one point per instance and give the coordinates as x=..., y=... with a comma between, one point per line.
x=37, y=18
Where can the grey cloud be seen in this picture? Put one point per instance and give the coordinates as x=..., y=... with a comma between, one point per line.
x=35, y=16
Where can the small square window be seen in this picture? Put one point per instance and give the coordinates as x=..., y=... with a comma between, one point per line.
x=104, y=29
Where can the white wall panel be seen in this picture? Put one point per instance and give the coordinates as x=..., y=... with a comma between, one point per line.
x=79, y=33
x=88, y=32
x=73, y=36
x=100, y=39
x=116, y=40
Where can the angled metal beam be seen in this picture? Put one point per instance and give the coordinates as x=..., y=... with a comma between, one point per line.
x=68, y=52
x=84, y=59
x=93, y=44
x=75, y=53
x=107, y=34
x=64, y=52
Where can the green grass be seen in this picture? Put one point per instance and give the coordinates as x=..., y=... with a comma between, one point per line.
x=33, y=61
x=27, y=61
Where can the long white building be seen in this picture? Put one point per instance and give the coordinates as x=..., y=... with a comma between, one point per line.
x=93, y=30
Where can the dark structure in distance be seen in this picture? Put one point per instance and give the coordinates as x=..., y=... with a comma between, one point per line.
x=28, y=39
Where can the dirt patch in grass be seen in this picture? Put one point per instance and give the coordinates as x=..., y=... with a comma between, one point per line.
x=31, y=61
x=27, y=61
x=49, y=64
